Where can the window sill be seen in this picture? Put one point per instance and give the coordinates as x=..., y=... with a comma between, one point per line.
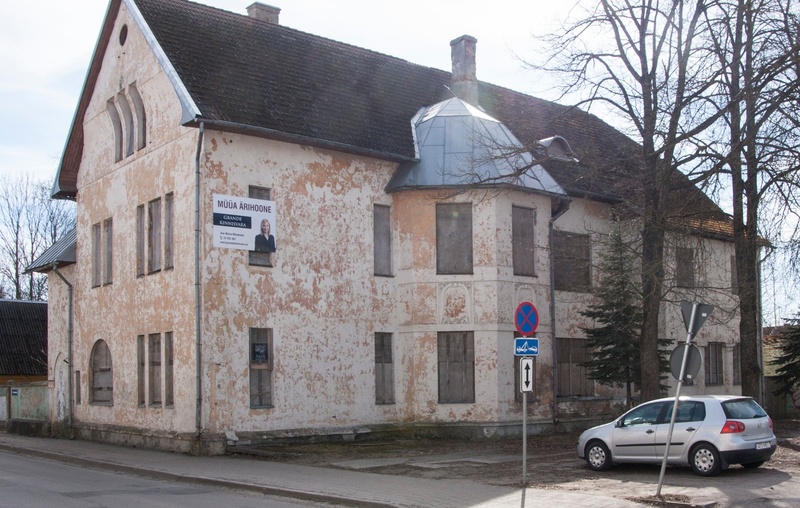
x=108, y=404
x=268, y=406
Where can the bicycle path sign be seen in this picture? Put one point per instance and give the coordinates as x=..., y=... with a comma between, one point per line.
x=526, y=319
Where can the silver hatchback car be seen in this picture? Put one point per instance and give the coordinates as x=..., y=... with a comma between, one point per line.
x=711, y=432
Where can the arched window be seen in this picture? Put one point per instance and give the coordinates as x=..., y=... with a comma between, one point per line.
x=127, y=117
x=102, y=374
x=116, y=124
x=141, y=118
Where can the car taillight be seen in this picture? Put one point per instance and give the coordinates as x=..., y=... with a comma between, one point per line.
x=770, y=423
x=732, y=427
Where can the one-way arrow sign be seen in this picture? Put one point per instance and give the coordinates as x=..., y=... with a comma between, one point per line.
x=526, y=374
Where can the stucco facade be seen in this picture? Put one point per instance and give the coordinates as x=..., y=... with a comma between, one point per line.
x=320, y=300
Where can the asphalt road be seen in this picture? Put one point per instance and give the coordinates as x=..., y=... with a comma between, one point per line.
x=36, y=483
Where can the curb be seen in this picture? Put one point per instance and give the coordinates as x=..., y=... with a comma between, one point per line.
x=210, y=482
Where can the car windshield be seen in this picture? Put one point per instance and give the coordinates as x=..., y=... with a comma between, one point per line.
x=743, y=409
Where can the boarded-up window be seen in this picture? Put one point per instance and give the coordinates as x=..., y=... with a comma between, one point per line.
x=140, y=240
x=523, y=221
x=684, y=267
x=77, y=387
x=169, y=223
x=382, y=237
x=127, y=118
x=169, y=388
x=573, y=380
x=454, y=238
x=259, y=258
x=141, y=118
x=102, y=374
x=261, y=367
x=384, y=369
x=154, y=235
x=116, y=125
x=572, y=261
x=154, y=353
x=456, y=355
x=712, y=360
x=108, y=255
x=97, y=263
x=140, y=370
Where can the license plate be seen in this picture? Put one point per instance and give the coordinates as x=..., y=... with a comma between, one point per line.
x=762, y=446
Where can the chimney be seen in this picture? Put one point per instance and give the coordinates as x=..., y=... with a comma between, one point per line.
x=264, y=12
x=464, y=82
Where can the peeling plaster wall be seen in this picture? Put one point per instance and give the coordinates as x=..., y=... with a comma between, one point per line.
x=130, y=306
x=58, y=341
x=320, y=297
x=713, y=281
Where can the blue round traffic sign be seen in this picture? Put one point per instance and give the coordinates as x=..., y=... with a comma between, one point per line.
x=526, y=318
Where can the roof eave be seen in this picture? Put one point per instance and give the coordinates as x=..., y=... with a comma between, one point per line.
x=263, y=132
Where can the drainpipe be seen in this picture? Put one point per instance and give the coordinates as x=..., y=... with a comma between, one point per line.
x=197, y=299
x=561, y=209
x=69, y=344
x=762, y=384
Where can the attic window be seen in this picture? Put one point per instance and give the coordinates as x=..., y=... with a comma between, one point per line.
x=123, y=35
x=557, y=147
x=129, y=122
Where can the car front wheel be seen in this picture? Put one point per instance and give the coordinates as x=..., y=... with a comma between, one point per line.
x=597, y=456
x=705, y=460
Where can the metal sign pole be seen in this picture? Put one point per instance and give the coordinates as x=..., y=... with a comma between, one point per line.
x=524, y=439
x=677, y=396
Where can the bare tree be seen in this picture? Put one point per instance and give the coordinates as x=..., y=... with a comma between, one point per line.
x=30, y=222
x=754, y=150
x=643, y=62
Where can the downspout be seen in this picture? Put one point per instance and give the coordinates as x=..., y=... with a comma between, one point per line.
x=70, y=397
x=562, y=208
x=762, y=383
x=197, y=299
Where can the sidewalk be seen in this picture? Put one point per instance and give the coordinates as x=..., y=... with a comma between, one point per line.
x=349, y=488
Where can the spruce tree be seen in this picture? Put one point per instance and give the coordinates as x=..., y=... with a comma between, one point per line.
x=788, y=362
x=617, y=313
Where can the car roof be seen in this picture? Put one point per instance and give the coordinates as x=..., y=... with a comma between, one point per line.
x=719, y=398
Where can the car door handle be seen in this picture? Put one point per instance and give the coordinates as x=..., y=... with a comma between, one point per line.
x=650, y=431
x=690, y=429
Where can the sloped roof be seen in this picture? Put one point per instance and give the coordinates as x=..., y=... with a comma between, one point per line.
x=240, y=74
x=23, y=338
x=59, y=254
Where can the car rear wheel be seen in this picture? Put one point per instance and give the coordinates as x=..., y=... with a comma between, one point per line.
x=598, y=456
x=753, y=465
x=704, y=460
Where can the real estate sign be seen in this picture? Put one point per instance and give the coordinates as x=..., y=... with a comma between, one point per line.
x=244, y=223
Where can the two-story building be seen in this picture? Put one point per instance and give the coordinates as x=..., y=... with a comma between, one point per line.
x=410, y=211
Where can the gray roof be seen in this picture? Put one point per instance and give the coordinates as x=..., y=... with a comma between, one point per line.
x=59, y=254
x=23, y=338
x=458, y=144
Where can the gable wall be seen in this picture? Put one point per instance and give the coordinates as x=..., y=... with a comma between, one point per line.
x=130, y=306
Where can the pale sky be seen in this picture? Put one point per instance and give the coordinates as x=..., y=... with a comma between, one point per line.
x=45, y=48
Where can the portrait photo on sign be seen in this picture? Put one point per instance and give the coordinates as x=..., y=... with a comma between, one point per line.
x=244, y=223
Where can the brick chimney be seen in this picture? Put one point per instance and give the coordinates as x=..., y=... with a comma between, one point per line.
x=264, y=12
x=464, y=82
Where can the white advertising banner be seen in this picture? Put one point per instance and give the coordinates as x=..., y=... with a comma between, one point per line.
x=244, y=223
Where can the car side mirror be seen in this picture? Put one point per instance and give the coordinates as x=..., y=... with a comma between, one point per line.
x=618, y=424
